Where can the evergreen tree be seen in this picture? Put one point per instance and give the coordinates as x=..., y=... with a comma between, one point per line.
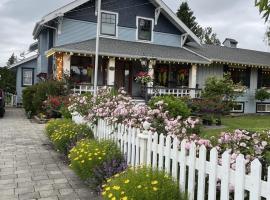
x=7, y=80
x=11, y=60
x=206, y=35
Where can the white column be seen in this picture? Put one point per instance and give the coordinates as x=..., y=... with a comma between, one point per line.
x=151, y=72
x=193, y=80
x=111, y=72
x=66, y=64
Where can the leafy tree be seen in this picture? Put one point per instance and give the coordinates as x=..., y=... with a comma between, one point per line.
x=12, y=60
x=7, y=80
x=262, y=94
x=206, y=35
x=264, y=8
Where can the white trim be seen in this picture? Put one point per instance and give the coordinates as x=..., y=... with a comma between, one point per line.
x=24, y=61
x=267, y=106
x=242, y=107
x=137, y=29
x=116, y=25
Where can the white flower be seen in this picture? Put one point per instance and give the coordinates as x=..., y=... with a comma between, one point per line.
x=146, y=125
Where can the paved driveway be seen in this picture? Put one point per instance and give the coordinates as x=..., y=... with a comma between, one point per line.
x=29, y=168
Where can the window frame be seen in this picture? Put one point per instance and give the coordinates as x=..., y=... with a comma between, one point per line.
x=239, y=111
x=22, y=76
x=262, y=103
x=116, y=24
x=137, y=29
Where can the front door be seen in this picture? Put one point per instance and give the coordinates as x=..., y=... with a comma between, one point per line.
x=123, y=75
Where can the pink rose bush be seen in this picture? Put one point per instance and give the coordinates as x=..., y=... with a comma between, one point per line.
x=80, y=104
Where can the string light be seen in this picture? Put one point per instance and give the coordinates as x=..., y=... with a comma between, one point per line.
x=59, y=66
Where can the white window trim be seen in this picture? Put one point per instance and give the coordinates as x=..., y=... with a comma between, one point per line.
x=239, y=111
x=266, y=104
x=116, y=26
x=137, y=29
x=32, y=80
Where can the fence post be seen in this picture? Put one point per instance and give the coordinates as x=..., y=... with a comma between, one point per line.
x=143, y=147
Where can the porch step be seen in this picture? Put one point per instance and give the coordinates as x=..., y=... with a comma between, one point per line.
x=140, y=101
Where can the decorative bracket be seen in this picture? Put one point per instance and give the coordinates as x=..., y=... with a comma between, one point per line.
x=157, y=14
x=96, y=5
x=183, y=39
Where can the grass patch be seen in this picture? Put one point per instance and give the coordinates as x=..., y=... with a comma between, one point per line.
x=248, y=122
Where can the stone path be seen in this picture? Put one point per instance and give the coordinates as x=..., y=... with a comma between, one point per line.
x=29, y=168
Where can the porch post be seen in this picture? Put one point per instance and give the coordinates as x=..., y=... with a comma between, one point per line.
x=193, y=80
x=111, y=72
x=66, y=64
x=151, y=72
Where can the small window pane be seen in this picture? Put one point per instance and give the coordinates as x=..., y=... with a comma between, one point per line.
x=261, y=107
x=145, y=29
x=238, y=107
x=108, y=24
x=268, y=108
x=27, y=77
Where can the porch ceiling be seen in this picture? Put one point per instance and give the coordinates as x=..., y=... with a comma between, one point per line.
x=120, y=48
x=232, y=56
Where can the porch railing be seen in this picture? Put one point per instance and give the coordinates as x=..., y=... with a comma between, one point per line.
x=178, y=92
x=84, y=88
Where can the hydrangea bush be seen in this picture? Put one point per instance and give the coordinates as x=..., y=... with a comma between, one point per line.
x=142, y=183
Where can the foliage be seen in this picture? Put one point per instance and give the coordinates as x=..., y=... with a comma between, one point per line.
x=206, y=35
x=34, y=96
x=91, y=159
x=66, y=135
x=54, y=125
x=175, y=106
x=143, y=78
x=142, y=184
x=53, y=105
x=7, y=80
x=81, y=104
x=65, y=112
x=262, y=94
x=13, y=59
x=264, y=8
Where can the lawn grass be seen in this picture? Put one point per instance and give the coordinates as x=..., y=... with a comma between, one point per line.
x=248, y=122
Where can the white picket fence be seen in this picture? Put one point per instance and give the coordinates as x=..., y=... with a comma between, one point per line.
x=202, y=178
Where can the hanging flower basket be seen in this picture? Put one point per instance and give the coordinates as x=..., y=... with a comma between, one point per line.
x=143, y=78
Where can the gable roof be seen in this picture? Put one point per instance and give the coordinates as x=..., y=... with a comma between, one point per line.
x=136, y=50
x=231, y=55
x=158, y=3
x=24, y=61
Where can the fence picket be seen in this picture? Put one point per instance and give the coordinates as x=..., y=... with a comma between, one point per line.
x=225, y=178
x=161, y=152
x=168, y=154
x=125, y=141
x=129, y=145
x=256, y=174
x=240, y=178
x=213, y=175
x=182, y=161
x=174, y=157
x=122, y=138
x=137, y=148
x=155, y=150
x=268, y=182
x=191, y=171
x=149, y=148
x=201, y=175
x=133, y=142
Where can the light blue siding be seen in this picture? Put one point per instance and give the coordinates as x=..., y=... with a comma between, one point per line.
x=43, y=47
x=31, y=64
x=77, y=31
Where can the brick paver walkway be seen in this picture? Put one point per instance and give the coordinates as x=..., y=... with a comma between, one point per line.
x=30, y=168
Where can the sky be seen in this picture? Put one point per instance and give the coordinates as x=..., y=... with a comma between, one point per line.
x=237, y=19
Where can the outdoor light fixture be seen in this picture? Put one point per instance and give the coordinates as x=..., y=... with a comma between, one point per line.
x=144, y=64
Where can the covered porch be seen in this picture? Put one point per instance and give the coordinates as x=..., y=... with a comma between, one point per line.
x=172, y=70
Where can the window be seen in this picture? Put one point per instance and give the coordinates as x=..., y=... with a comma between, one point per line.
x=263, y=107
x=108, y=23
x=145, y=29
x=238, y=107
x=27, y=77
x=264, y=78
x=240, y=75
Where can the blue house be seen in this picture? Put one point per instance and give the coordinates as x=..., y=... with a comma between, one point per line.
x=135, y=33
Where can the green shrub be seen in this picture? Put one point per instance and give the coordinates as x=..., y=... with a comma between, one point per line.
x=262, y=95
x=88, y=155
x=175, y=106
x=65, y=112
x=54, y=125
x=34, y=96
x=66, y=135
x=142, y=183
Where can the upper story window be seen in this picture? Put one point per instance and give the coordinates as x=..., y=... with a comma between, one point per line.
x=109, y=23
x=145, y=28
x=27, y=77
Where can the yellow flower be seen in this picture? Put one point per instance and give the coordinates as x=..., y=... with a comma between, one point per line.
x=116, y=175
x=116, y=187
x=139, y=186
x=82, y=161
x=110, y=195
x=107, y=188
x=103, y=186
x=89, y=158
x=99, y=158
x=154, y=182
x=109, y=180
x=126, y=181
x=124, y=198
x=155, y=189
x=113, y=198
x=104, y=193
x=76, y=158
x=122, y=192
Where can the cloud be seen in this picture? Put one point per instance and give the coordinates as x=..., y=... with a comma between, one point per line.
x=236, y=19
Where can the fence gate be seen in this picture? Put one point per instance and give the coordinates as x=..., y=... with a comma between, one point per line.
x=10, y=100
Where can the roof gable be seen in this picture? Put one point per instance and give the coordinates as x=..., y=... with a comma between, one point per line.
x=165, y=10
